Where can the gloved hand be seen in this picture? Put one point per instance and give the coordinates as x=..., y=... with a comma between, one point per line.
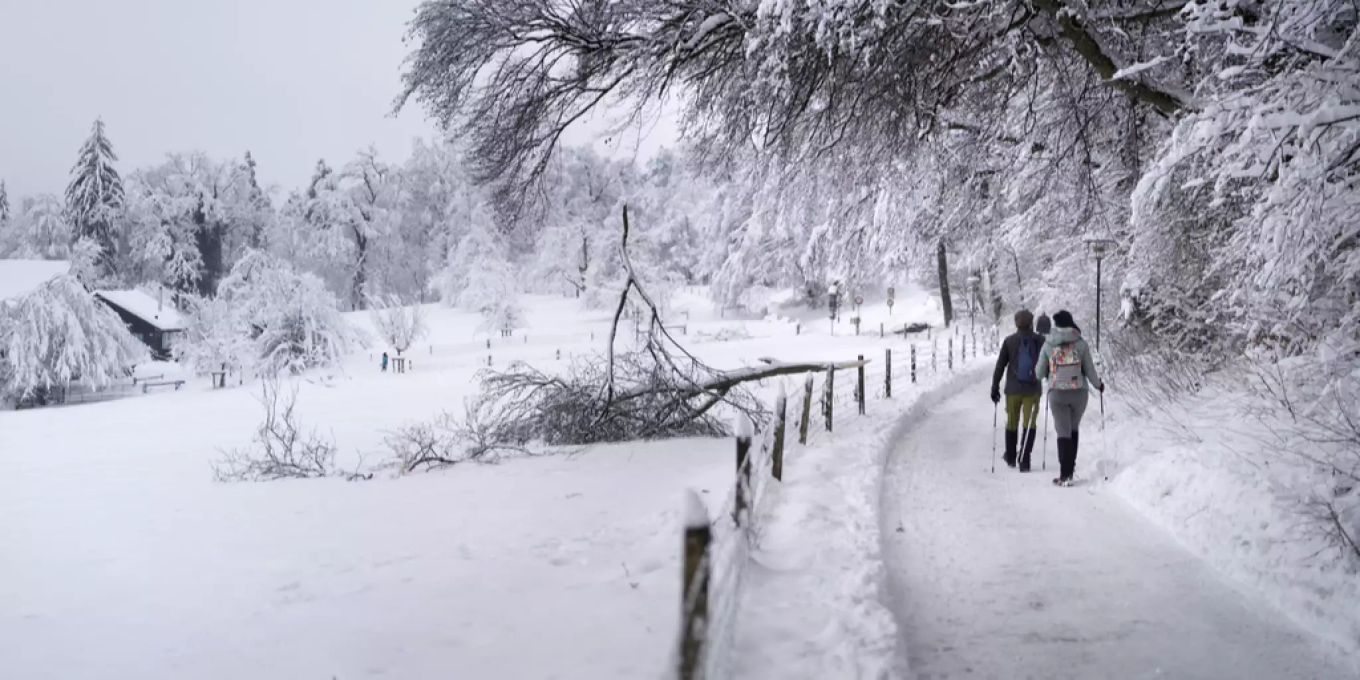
x=996, y=394
x=1101, y=388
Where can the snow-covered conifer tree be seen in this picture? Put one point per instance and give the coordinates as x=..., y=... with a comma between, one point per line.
x=94, y=197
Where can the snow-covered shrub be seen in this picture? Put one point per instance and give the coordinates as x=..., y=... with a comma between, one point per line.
x=290, y=317
x=280, y=449
x=399, y=324
x=59, y=333
x=216, y=338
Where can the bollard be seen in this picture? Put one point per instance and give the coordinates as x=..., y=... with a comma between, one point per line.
x=887, y=376
x=859, y=388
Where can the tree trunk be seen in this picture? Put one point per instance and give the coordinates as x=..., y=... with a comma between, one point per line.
x=945, y=301
x=994, y=291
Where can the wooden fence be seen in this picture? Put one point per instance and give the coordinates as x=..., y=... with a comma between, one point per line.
x=716, y=550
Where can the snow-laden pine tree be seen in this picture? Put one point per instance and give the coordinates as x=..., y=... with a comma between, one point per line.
x=94, y=197
x=60, y=333
x=4, y=205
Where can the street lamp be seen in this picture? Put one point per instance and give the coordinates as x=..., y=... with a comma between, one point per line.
x=1099, y=246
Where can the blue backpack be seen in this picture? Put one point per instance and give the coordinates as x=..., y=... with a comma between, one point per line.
x=1027, y=359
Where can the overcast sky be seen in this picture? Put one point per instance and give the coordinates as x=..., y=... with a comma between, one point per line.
x=289, y=80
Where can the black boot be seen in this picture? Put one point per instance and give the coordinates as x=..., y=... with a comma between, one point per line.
x=1009, y=456
x=1030, y=435
x=1065, y=461
x=1072, y=457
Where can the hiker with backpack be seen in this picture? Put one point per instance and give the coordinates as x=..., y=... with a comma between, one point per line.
x=1043, y=325
x=1019, y=360
x=1065, y=362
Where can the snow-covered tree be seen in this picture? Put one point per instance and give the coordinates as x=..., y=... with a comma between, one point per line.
x=398, y=323
x=4, y=205
x=292, y=320
x=59, y=333
x=217, y=337
x=94, y=197
x=190, y=218
x=255, y=211
x=481, y=278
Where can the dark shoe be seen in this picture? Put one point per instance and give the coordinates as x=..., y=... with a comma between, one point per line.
x=1067, y=456
x=1030, y=435
x=1009, y=457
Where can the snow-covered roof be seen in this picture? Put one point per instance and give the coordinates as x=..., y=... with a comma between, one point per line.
x=20, y=277
x=144, y=307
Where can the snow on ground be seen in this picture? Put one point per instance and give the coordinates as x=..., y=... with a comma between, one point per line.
x=1201, y=470
x=814, y=606
x=123, y=559
x=1005, y=576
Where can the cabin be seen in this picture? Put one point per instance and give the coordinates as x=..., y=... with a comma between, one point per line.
x=155, y=323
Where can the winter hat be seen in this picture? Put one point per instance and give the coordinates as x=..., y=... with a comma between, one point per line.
x=1063, y=319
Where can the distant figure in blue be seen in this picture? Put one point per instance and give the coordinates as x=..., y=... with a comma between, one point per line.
x=384, y=362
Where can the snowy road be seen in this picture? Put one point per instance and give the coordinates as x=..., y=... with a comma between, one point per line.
x=1006, y=576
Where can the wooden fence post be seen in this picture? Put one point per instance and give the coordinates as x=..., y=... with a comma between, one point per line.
x=807, y=410
x=694, y=588
x=934, y=349
x=777, y=452
x=829, y=395
x=859, y=389
x=887, y=375
x=913, y=363
x=744, y=436
x=951, y=352
x=880, y=329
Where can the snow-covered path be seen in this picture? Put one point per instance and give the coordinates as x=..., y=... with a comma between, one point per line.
x=1006, y=576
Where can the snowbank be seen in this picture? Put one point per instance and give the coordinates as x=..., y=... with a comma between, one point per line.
x=1195, y=468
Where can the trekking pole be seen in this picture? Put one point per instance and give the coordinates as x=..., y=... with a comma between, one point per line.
x=994, y=410
x=1046, y=409
x=1104, y=440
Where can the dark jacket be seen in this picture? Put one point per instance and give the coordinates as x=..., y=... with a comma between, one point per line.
x=1008, y=362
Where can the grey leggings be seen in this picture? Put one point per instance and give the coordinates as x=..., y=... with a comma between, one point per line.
x=1067, y=406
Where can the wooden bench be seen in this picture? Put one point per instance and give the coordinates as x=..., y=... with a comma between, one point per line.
x=161, y=383
x=136, y=380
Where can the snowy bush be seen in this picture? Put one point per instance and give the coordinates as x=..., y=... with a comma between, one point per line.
x=280, y=449
x=60, y=333
x=216, y=338
x=291, y=319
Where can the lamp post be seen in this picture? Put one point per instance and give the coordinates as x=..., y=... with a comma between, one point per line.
x=1099, y=246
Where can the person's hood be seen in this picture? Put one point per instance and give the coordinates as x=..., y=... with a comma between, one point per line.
x=1062, y=336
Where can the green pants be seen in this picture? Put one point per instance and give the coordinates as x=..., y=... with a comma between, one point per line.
x=1017, y=404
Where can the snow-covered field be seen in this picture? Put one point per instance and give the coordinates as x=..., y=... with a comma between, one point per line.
x=123, y=559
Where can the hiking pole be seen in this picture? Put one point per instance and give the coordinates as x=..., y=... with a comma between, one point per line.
x=1104, y=440
x=994, y=410
x=1046, y=409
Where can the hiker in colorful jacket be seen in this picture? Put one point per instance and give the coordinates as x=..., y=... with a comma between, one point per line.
x=1066, y=363
x=1019, y=360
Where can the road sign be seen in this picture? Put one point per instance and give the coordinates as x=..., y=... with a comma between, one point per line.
x=859, y=300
